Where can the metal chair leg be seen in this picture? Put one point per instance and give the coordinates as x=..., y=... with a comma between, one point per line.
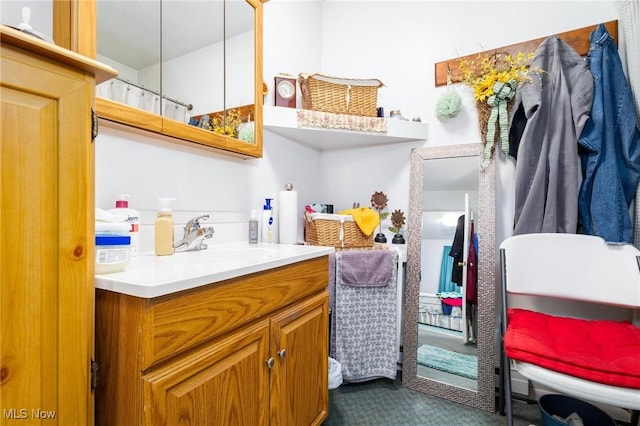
x=504, y=359
x=507, y=391
x=501, y=385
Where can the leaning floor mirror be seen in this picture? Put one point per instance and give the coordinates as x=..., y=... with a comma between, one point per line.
x=449, y=315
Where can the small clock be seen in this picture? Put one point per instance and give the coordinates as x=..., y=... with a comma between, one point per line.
x=285, y=93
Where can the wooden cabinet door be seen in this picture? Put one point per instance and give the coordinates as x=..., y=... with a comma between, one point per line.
x=46, y=247
x=299, y=380
x=225, y=383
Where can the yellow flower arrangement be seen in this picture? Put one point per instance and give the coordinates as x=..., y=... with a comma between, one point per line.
x=229, y=126
x=483, y=72
x=495, y=79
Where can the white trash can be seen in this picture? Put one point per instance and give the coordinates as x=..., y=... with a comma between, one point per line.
x=335, y=377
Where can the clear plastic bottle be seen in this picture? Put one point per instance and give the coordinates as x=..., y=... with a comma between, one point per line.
x=164, y=228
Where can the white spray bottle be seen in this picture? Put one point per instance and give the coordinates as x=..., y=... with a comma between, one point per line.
x=268, y=222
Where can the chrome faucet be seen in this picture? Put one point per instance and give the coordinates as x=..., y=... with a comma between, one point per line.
x=194, y=235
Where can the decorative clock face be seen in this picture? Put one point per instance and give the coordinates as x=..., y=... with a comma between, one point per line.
x=286, y=90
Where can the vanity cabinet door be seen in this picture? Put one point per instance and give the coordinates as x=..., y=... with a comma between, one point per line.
x=299, y=382
x=46, y=225
x=224, y=383
x=213, y=355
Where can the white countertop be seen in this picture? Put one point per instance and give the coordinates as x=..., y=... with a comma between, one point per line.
x=149, y=276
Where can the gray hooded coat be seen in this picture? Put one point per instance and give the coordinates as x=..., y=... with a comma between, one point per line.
x=557, y=105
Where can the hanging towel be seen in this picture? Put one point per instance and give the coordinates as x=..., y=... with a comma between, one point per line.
x=363, y=336
x=366, y=219
x=366, y=268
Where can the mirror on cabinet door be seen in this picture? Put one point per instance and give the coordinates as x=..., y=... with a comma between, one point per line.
x=239, y=80
x=449, y=309
x=192, y=68
x=186, y=67
x=128, y=39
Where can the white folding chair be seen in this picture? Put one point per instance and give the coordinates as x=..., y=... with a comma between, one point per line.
x=538, y=268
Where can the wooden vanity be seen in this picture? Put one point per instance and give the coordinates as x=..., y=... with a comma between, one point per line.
x=250, y=350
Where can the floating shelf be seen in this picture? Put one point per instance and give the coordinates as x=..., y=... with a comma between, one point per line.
x=283, y=121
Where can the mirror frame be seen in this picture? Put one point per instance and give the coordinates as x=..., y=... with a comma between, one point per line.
x=484, y=397
x=75, y=29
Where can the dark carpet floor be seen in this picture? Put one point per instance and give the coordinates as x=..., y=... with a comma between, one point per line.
x=384, y=402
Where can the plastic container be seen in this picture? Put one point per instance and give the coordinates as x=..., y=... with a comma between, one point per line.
x=112, y=253
x=253, y=228
x=164, y=229
x=563, y=406
x=130, y=217
x=112, y=228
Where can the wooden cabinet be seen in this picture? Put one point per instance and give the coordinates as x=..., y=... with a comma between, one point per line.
x=246, y=351
x=224, y=383
x=299, y=384
x=46, y=232
x=212, y=80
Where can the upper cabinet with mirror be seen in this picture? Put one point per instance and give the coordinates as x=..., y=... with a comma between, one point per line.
x=189, y=69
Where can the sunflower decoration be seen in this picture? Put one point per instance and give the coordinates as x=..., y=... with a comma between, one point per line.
x=397, y=219
x=379, y=202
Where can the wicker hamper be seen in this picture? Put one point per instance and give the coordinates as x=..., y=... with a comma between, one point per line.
x=339, y=95
x=334, y=230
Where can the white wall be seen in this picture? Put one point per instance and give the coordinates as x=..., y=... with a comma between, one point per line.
x=205, y=182
x=397, y=42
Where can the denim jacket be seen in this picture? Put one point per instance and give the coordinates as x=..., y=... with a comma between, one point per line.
x=609, y=147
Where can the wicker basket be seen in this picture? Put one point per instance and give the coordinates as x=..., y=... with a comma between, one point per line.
x=334, y=230
x=339, y=95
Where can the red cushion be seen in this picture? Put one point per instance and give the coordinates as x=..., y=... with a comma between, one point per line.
x=598, y=350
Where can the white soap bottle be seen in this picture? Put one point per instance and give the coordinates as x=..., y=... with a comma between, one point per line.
x=130, y=216
x=268, y=222
x=164, y=229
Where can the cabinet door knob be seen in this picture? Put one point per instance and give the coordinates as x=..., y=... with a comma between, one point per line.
x=282, y=353
x=270, y=362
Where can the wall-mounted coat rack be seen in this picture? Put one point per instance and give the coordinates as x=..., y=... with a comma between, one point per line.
x=578, y=39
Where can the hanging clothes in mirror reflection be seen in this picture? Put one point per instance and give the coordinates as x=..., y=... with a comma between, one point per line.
x=464, y=272
x=447, y=284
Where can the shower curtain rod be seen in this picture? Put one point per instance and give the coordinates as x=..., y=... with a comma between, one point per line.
x=189, y=107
